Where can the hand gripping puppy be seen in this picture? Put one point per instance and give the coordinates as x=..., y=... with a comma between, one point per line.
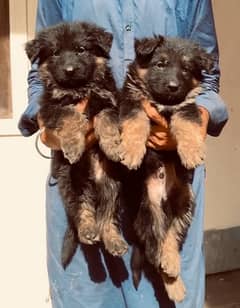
x=73, y=66
x=166, y=72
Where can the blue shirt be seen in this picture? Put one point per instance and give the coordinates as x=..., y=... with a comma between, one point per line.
x=129, y=19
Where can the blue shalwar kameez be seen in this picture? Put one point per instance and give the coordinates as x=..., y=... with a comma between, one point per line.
x=93, y=280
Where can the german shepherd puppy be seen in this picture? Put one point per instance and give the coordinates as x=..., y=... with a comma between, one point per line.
x=167, y=72
x=73, y=66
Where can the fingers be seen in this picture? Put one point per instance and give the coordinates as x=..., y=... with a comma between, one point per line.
x=161, y=139
x=81, y=105
x=153, y=114
x=90, y=139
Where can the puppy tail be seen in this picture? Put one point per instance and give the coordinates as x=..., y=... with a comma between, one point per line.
x=69, y=247
x=137, y=260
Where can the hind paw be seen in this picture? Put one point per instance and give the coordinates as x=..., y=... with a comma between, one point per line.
x=175, y=289
x=170, y=263
x=116, y=246
x=88, y=234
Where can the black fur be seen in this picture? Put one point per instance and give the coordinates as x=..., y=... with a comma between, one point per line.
x=73, y=66
x=164, y=72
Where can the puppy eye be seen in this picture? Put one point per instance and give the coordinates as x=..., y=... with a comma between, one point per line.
x=162, y=63
x=80, y=50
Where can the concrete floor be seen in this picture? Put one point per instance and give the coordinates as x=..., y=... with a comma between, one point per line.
x=223, y=290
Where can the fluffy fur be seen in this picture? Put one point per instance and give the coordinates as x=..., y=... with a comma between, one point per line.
x=167, y=72
x=73, y=67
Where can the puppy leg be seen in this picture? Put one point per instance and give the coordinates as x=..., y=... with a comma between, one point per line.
x=106, y=128
x=108, y=188
x=135, y=132
x=87, y=228
x=80, y=209
x=150, y=224
x=175, y=288
x=72, y=136
x=170, y=257
x=190, y=142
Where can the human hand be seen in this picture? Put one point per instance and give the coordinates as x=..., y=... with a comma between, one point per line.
x=51, y=140
x=160, y=136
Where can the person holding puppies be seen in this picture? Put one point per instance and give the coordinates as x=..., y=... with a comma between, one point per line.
x=94, y=279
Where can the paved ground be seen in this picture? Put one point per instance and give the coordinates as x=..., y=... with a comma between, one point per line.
x=223, y=290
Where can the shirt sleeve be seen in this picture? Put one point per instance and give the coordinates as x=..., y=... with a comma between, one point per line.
x=48, y=13
x=201, y=29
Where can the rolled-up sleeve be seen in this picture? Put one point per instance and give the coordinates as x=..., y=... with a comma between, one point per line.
x=201, y=29
x=48, y=13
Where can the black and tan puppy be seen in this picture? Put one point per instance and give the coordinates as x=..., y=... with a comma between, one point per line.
x=167, y=72
x=73, y=66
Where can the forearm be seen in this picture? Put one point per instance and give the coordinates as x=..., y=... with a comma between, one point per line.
x=48, y=13
x=201, y=29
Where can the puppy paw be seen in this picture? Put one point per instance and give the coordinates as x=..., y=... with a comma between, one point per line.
x=175, y=288
x=132, y=154
x=88, y=233
x=192, y=155
x=116, y=246
x=171, y=263
x=111, y=149
x=73, y=148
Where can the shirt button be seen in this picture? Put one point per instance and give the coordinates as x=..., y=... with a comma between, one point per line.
x=128, y=28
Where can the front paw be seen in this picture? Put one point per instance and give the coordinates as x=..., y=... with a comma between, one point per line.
x=192, y=154
x=111, y=148
x=132, y=154
x=88, y=233
x=73, y=148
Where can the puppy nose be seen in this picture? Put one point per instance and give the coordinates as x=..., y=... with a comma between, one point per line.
x=173, y=86
x=69, y=69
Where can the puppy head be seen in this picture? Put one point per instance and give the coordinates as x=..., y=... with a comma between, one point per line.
x=70, y=53
x=172, y=68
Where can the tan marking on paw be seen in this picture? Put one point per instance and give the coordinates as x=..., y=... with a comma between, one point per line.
x=170, y=262
x=108, y=135
x=73, y=148
x=175, y=288
x=190, y=143
x=170, y=257
x=135, y=132
x=72, y=136
x=88, y=232
x=113, y=241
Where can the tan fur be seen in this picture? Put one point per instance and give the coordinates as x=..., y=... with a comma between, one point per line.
x=108, y=135
x=98, y=170
x=113, y=241
x=142, y=72
x=87, y=227
x=135, y=132
x=100, y=61
x=72, y=135
x=190, y=142
x=175, y=288
x=170, y=257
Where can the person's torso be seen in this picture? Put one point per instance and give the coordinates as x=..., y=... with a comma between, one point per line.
x=128, y=19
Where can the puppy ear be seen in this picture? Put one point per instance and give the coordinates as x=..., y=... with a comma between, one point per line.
x=145, y=48
x=33, y=49
x=103, y=44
